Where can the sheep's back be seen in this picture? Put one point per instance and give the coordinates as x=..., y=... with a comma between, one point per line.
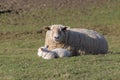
x=87, y=41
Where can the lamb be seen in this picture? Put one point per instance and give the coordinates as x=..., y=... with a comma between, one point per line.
x=55, y=53
x=75, y=40
x=45, y=53
x=61, y=52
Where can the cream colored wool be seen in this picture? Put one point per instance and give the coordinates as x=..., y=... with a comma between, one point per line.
x=77, y=41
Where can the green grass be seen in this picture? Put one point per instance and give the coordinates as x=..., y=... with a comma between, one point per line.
x=27, y=66
x=18, y=49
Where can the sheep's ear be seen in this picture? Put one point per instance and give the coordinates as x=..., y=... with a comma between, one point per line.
x=47, y=28
x=65, y=28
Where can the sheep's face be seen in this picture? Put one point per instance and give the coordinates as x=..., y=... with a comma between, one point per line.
x=57, y=33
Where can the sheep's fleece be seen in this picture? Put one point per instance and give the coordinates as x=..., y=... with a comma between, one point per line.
x=76, y=40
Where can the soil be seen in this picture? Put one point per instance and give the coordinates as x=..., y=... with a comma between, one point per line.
x=42, y=4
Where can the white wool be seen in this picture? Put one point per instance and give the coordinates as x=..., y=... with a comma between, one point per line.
x=45, y=53
x=61, y=52
x=40, y=53
x=55, y=53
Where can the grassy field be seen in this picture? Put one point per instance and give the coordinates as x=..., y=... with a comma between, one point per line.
x=20, y=39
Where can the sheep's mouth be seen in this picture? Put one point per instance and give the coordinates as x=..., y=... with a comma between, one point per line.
x=57, y=40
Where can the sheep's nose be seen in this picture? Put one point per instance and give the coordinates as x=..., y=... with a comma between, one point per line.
x=57, y=37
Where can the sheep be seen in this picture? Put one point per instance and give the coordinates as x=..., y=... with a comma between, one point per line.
x=55, y=53
x=60, y=52
x=45, y=53
x=76, y=40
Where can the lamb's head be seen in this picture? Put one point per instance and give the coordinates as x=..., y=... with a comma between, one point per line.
x=41, y=50
x=57, y=32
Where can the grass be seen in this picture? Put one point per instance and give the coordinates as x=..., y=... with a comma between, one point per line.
x=89, y=18
x=29, y=67
x=19, y=42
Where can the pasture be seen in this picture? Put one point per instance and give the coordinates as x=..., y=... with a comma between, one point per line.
x=21, y=36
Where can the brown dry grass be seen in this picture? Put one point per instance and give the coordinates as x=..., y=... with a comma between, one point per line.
x=56, y=4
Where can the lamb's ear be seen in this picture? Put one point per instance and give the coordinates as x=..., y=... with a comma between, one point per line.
x=41, y=49
x=47, y=28
x=65, y=28
x=46, y=46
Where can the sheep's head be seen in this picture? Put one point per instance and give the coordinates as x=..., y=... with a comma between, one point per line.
x=57, y=32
